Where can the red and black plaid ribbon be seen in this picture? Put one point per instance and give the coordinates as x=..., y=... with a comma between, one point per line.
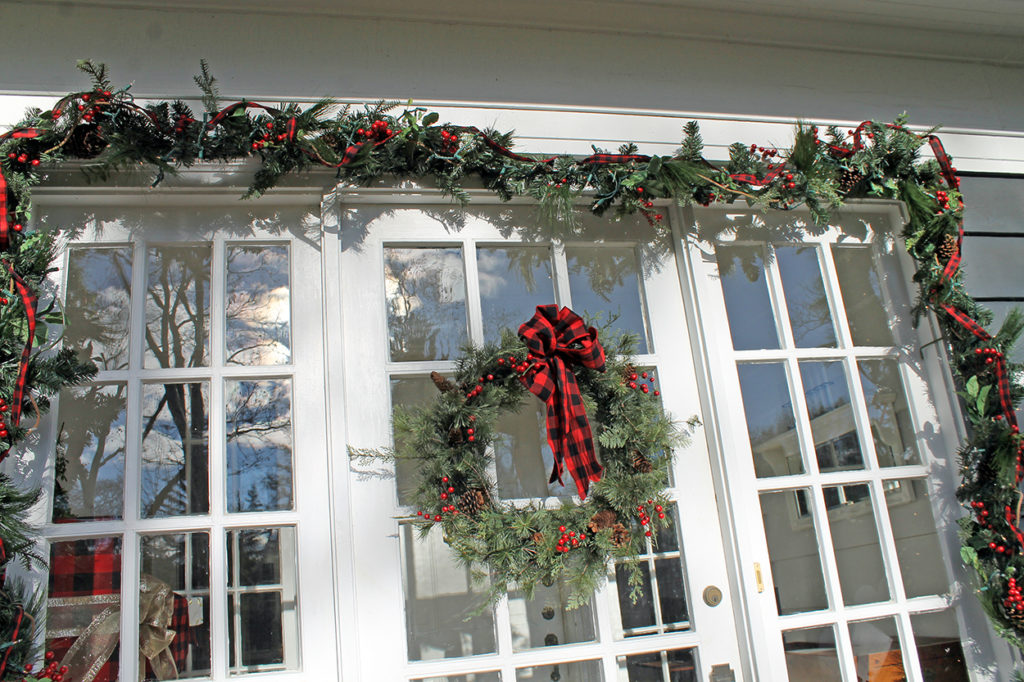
x=28, y=302
x=17, y=134
x=557, y=338
x=185, y=635
x=604, y=159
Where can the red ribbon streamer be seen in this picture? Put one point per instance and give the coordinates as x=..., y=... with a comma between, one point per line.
x=28, y=302
x=13, y=638
x=557, y=338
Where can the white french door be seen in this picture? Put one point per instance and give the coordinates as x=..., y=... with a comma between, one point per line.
x=416, y=282
x=833, y=453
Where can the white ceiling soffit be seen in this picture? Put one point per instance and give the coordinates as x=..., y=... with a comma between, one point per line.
x=987, y=31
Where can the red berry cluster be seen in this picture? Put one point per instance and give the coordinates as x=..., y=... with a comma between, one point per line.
x=378, y=130
x=267, y=137
x=449, y=142
x=787, y=180
x=569, y=540
x=814, y=131
x=51, y=670
x=765, y=152
x=648, y=204
x=645, y=520
x=1013, y=601
x=446, y=491
x=182, y=122
x=90, y=104
x=477, y=390
x=943, y=200
x=23, y=158
x=4, y=407
x=643, y=382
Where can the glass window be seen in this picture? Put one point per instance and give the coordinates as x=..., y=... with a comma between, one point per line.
x=258, y=307
x=262, y=600
x=426, y=302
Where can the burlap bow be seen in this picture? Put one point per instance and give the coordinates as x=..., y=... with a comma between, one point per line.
x=557, y=338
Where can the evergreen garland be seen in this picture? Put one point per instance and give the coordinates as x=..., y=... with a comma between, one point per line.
x=109, y=131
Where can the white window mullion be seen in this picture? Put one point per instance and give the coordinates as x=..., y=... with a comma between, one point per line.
x=560, y=273
x=474, y=310
x=129, y=651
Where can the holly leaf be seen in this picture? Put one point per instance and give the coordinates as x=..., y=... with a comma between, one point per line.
x=982, y=402
x=972, y=387
x=431, y=118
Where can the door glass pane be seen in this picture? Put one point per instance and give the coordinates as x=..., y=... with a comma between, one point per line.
x=522, y=454
x=861, y=288
x=175, y=449
x=442, y=601
x=938, y=647
x=426, y=302
x=577, y=671
x=876, y=650
x=811, y=654
x=793, y=551
x=514, y=280
x=809, y=315
x=828, y=406
x=263, y=619
x=637, y=617
x=174, y=599
x=770, y=422
x=662, y=606
x=98, y=301
x=891, y=427
x=676, y=665
x=409, y=391
x=916, y=538
x=747, y=304
x=605, y=285
x=178, y=306
x=89, y=476
x=545, y=620
x=855, y=541
x=259, y=444
x=84, y=593
x=257, y=312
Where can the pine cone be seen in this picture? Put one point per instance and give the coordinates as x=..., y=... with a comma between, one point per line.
x=849, y=179
x=472, y=501
x=947, y=248
x=442, y=384
x=538, y=538
x=455, y=436
x=603, y=519
x=86, y=142
x=641, y=463
x=620, y=535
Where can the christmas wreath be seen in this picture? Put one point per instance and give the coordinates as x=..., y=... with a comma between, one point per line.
x=621, y=499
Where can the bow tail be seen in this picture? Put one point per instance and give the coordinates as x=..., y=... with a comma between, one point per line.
x=570, y=438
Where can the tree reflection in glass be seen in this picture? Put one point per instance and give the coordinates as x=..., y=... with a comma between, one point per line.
x=97, y=304
x=514, y=280
x=257, y=310
x=809, y=315
x=178, y=306
x=259, y=445
x=89, y=476
x=605, y=281
x=175, y=449
x=425, y=293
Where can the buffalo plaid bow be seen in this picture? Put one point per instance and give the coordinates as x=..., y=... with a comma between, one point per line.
x=555, y=339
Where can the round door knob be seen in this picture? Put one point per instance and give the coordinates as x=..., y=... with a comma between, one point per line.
x=712, y=595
